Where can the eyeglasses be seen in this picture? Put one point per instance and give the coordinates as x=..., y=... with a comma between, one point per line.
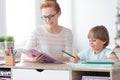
x=49, y=17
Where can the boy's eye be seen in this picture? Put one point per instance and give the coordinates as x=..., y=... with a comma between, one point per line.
x=92, y=40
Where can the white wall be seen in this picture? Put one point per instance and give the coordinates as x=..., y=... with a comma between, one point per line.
x=2, y=17
x=89, y=13
x=38, y=20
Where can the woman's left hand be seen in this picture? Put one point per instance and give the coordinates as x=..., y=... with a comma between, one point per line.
x=38, y=58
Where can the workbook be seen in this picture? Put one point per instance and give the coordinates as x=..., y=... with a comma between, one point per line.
x=95, y=64
x=35, y=52
x=102, y=61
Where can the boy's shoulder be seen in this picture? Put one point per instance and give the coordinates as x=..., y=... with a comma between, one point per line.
x=107, y=50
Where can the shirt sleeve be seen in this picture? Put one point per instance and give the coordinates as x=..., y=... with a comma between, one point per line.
x=69, y=41
x=108, y=52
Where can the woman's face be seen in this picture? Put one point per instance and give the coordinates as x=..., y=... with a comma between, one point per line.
x=50, y=16
x=96, y=44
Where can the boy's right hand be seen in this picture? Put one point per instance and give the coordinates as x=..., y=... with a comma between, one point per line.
x=76, y=59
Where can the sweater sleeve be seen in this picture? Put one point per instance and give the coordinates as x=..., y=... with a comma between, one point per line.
x=69, y=41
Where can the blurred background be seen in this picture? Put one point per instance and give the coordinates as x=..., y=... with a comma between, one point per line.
x=19, y=17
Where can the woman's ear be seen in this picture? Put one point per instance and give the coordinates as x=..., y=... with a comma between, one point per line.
x=59, y=13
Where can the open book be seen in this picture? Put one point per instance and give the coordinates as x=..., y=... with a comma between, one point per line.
x=35, y=52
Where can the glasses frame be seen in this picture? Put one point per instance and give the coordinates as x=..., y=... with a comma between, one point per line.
x=49, y=16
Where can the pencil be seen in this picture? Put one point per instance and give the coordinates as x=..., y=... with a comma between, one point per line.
x=68, y=53
x=5, y=54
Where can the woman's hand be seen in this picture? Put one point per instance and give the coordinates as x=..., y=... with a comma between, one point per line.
x=38, y=58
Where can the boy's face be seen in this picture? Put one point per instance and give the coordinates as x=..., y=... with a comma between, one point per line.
x=96, y=44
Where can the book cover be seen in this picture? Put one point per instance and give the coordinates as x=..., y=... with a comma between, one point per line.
x=35, y=52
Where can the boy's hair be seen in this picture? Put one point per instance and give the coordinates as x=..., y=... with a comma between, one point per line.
x=99, y=32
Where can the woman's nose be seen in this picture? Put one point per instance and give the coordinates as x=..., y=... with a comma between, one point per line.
x=47, y=19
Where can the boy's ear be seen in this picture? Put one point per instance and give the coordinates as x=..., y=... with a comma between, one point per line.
x=104, y=42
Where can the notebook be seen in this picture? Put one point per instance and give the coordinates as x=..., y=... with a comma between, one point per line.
x=99, y=62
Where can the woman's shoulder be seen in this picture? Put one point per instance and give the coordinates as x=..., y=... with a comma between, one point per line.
x=66, y=30
x=38, y=29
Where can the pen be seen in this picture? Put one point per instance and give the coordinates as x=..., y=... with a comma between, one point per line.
x=68, y=53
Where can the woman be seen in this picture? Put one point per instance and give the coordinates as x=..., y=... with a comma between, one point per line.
x=50, y=38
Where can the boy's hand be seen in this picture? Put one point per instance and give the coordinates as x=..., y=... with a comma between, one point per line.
x=76, y=59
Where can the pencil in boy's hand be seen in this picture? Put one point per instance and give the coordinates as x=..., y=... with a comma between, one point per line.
x=75, y=54
x=68, y=53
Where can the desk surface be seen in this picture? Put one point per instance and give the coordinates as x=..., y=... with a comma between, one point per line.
x=52, y=66
x=74, y=72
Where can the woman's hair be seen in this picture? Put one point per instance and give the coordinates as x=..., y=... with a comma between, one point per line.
x=50, y=3
x=99, y=32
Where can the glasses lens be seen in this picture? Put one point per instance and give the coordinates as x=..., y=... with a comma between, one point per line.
x=49, y=17
x=42, y=17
